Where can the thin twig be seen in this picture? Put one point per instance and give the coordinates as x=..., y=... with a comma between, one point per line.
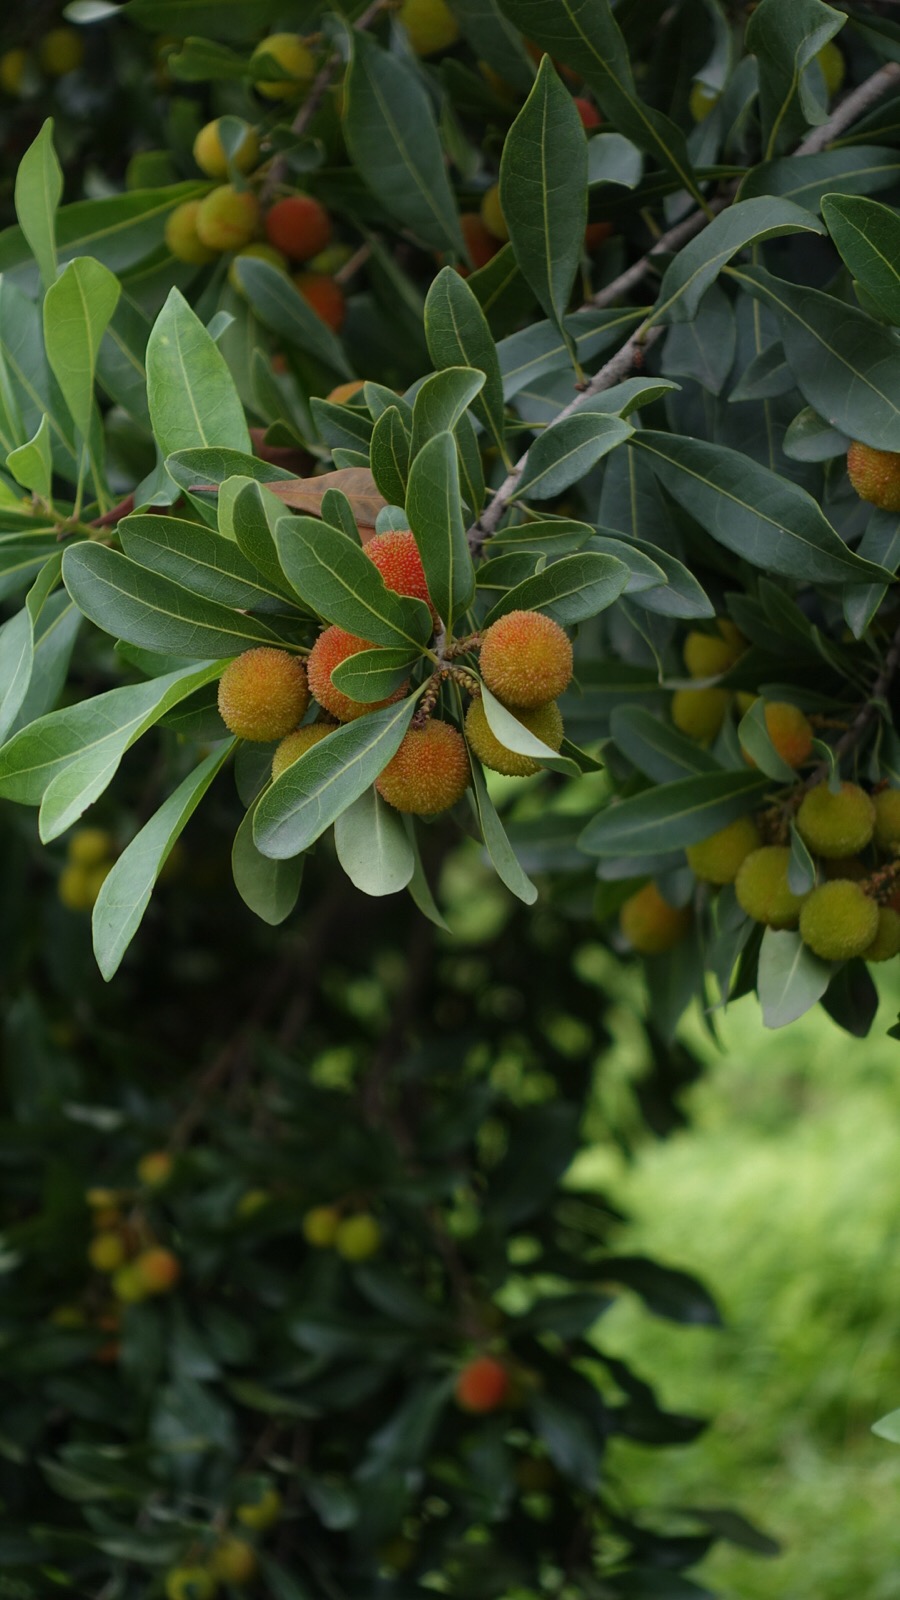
x=850, y=108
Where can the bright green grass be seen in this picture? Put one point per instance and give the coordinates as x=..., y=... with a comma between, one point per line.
x=784, y=1197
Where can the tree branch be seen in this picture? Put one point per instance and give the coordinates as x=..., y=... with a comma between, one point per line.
x=852, y=106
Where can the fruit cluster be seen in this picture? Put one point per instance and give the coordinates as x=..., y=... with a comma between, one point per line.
x=228, y=1558
x=355, y=1237
x=59, y=52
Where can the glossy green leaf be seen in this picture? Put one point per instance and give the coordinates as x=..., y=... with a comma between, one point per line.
x=253, y=517
x=39, y=183
x=17, y=639
x=867, y=235
x=656, y=748
x=790, y=979
x=389, y=455
x=280, y=306
x=269, y=888
x=888, y=1427
x=32, y=463
x=513, y=735
x=333, y=575
x=198, y=558
x=120, y=230
x=440, y=402
x=673, y=815
x=566, y=452
x=435, y=517
x=373, y=674
x=458, y=335
x=541, y=347
x=570, y=590
x=613, y=159
x=785, y=39
x=879, y=543
x=193, y=400
x=861, y=169
x=372, y=846
x=77, y=311
x=505, y=861
x=699, y=262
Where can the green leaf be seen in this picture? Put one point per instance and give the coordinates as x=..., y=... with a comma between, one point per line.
x=656, y=748
x=785, y=39
x=435, y=517
x=458, y=335
x=333, y=575
x=125, y=893
x=224, y=19
x=269, y=888
x=253, y=518
x=513, y=735
x=543, y=190
x=394, y=144
x=541, y=347
x=441, y=401
x=805, y=179
x=17, y=642
x=311, y=793
x=32, y=464
x=700, y=261
x=278, y=304
x=39, y=183
x=389, y=455
x=566, y=452
x=504, y=859
x=199, y=559
x=790, y=979
x=755, y=739
x=193, y=400
x=77, y=311
x=570, y=590
x=373, y=674
x=673, y=815
x=879, y=543
x=613, y=159
x=888, y=1427
x=120, y=231
x=762, y=517
x=373, y=847
x=868, y=237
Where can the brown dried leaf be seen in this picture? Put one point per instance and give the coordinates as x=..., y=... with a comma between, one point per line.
x=357, y=483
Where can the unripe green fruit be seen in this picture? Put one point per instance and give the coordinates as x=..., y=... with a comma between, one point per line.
x=262, y=1513
x=887, y=819
x=155, y=1168
x=210, y=156
x=263, y=694
x=833, y=66
x=429, y=772
x=106, y=1252
x=836, y=824
x=492, y=213
x=13, y=64
x=719, y=858
x=886, y=943
x=252, y=1201
x=227, y=218
x=357, y=1238
x=838, y=920
x=61, y=51
x=702, y=101
x=296, y=59
x=545, y=722
x=320, y=1226
x=234, y=1561
x=699, y=712
x=297, y=743
x=875, y=475
x=190, y=1583
x=182, y=237
x=430, y=25
x=763, y=890
x=128, y=1285
x=90, y=847
x=526, y=659
x=650, y=924
x=706, y=655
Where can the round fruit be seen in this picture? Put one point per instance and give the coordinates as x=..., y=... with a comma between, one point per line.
x=482, y=1386
x=702, y=101
x=60, y=51
x=298, y=226
x=650, y=924
x=294, y=58
x=227, y=218
x=157, y=1269
x=719, y=858
x=78, y=887
x=886, y=943
x=263, y=694
x=790, y=732
x=763, y=890
x=128, y=1285
x=526, y=659
x=492, y=213
x=106, y=1252
x=875, y=475
x=706, y=655
x=256, y=252
x=480, y=242
x=234, y=1561
x=12, y=70
x=357, y=1238
x=587, y=111
x=297, y=743
x=833, y=67
x=210, y=154
x=332, y=647
x=262, y=1513
x=325, y=296
x=838, y=920
x=887, y=819
x=343, y=393
x=836, y=824
x=596, y=235
x=396, y=555
x=429, y=772
x=545, y=722
x=699, y=712
x=430, y=25
x=90, y=847
x=182, y=238
x=331, y=259
x=155, y=1168
x=190, y=1583
x=320, y=1226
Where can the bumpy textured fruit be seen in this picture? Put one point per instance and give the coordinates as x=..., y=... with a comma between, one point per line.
x=719, y=858
x=234, y=1561
x=707, y=654
x=296, y=59
x=492, y=213
x=833, y=66
x=261, y=1513
x=702, y=101
x=158, y=1269
x=263, y=694
x=12, y=70
x=90, y=847
x=209, y=151
x=106, y=1252
x=699, y=712
x=836, y=824
x=480, y=242
x=227, y=218
x=330, y=649
x=838, y=920
x=182, y=238
x=357, y=1238
x=430, y=25
x=875, y=475
x=396, y=555
x=320, y=1226
x=587, y=111
x=886, y=943
x=887, y=819
x=60, y=51
x=325, y=296
x=190, y=1583
x=650, y=924
x=789, y=731
x=298, y=226
x=545, y=722
x=155, y=1168
x=257, y=251
x=763, y=890
x=343, y=393
x=482, y=1386
x=297, y=743
x=526, y=659
x=429, y=773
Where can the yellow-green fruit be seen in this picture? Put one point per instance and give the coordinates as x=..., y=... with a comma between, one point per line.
x=650, y=924
x=887, y=819
x=234, y=1561
x=430, y=25
x=719, y=858
x=155, y=1168
x=526, y=659
x=429, y=772
x=836, y=824
x=875, y=475
x=763, y=890
x=745, y=699
x=294, y=57
x=257, y=252
x=701, y=101
x=61, y=51
x=699, y=712
x=190, y=1583
x=705, y=655
x=75, y=889
x=833, y=67
x=545, y=723
x=227, y=218
x=297, y=743
x=157, y=1269
x=263, y=694
x=357, y=1238
x=262, y=1513
x=329, y=261
x=320, y=1226
x=838, y=920
x=128, y=1285
x=492, y=213
x=101, y=1199
x=12, y=70
x=182, y=238
x=210, y=154
x=886, y=943
x=90, y=847
x=790, y=732
x=106, y=1252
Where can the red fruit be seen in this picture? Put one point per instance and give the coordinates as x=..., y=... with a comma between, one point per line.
x=480, y=243
x=526, y=659
x=299, y=227
x=325, y=296
x=396, y=555
x=482, y=1386
x=429, y=772
x=875, y=475
x=596, y=234
x=590, y=116
x=330, y=649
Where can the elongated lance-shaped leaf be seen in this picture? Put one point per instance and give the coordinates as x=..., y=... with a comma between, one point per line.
x=198, y=558
x=656, y=748
x=513, y=735
x=192, y=397
x=434, y=508
x=457, y=332
x=373, y=847
x=699, y=263
x=569, y=590
x=441, y=401
x=503, y=857
x=17, y=644
x=867, y=234
x=39, y=184
x=389, y=455
x=269, y=888
x=77, y=311
x=673, y=815
x=276, y=302
x=32, y=463
x=372, y=675
x=790, y=979
x=565, y=452
x=332, y=574
x=785, y=39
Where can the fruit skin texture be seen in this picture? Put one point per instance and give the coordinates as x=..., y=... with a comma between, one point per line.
x=294, y=56
x=492, y=213
x=182, y=238
x=190, y=1583
x=526, y=659
x=429, y=772
x=699, y=712
x=234, y=1561
x=257, y=252
x=480, y=242
x=227, y=218
x=396, y=555
x=886, y=943
x=875, y=475
x=762, y=887
x=297, y=743
x=298, y=226
x=719, y=858
x=789, y=731
x=587, y=111
x=650, y=924
x=155, y=1168
x=838, y=920
x=106, y=1252
x=320, y=1226
x=209, y=152
x=430, y=25
x=325, y=296
x=705, y=656
x=357, y=1238
x=332, y=647
x=262, y=1513
x=545, y=722
x=263, y=694
x=887, y=819
x=836, y=824
x=157, y=1269
x=61, y=51
x=482, y=1386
